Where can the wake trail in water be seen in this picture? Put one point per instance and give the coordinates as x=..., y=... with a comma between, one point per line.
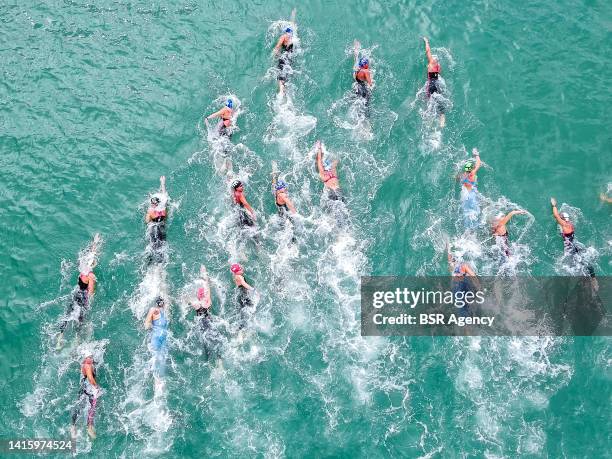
x=144, y=413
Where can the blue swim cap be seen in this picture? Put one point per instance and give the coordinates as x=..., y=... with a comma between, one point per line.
x=363, y=61
x=327, y=165
x=288, y=30
x=230, y=103
x=280, y=184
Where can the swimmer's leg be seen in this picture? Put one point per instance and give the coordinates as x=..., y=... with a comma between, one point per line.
x=90, y=416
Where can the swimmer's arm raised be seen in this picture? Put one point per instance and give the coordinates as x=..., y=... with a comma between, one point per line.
x=162, y=184
x=428, y=51
x=555, y=212
x=320, y=160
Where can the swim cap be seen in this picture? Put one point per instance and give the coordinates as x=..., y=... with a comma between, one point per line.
x=235, y=268
x=363, y=62
x=469, y=165
x=289, y=30
x=327, y=165
x=565, y=216
x=280, y=185
x=236, y=184
x=159, y=301
x=200, y=293
x=87, y=353
x=230, y=103
x=155, y=200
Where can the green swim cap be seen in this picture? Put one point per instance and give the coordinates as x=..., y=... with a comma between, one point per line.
x=469, y=165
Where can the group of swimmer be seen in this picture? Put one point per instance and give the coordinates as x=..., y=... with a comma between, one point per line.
x=156, y=319
x=460, y=270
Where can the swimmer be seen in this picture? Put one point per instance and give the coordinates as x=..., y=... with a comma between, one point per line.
x=246, y=214
x=158, y=323
x=284, y=51
x=460, y=271
x=282, y=201
x=605, y=198
x=433, y=84
x=500, y=232
x=203, y=301
x=468, y=178
x=90, y=391
x=82, y=296
x=570, y=245
x=225, y=113
x=156, y=215
x=362, y=75
x=328, y=174
x=244, y=291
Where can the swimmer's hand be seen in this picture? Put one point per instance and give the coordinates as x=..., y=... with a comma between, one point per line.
x=475, y=151
x=553, y=202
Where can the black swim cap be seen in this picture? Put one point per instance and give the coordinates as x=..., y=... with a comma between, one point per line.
x=155, y=200
x=160, y=301
x=236, y=184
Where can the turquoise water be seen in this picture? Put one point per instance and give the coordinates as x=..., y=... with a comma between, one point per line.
x=98, y=101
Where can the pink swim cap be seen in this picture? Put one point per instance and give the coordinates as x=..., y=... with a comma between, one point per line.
x=200, y=293
x=236, y=268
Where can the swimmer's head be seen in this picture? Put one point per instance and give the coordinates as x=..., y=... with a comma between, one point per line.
x=155, y=201
x=280, y=185
x=201, y=293
x=364, y=62
x=469, y=165
x=565, y=216
x=229, y=103
x=434, y=57
x=159, y=301
x=327, y=165
x=236, y=268
x=289, y=30
x=236, y=184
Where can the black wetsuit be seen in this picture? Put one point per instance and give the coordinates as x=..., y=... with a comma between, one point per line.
x=157, y=230
x=334, y=195
x=86, y=392
x=244, y=218
x=284, y=61
x=503, y=241
x=363, y=91
x=571, y=247
x=433, y=86
x=224, y=130
x=244, y=304
x=80, y=299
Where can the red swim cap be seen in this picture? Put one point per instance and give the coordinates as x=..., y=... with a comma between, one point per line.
x=200, y=293
x=236, y=268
